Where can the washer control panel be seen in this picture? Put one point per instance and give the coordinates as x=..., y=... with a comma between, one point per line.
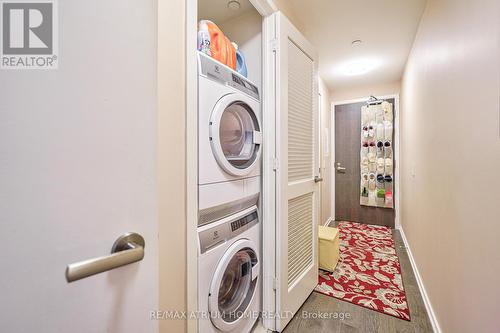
x=217, y=233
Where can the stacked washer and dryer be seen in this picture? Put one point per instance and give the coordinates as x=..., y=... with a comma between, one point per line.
x=229, y=180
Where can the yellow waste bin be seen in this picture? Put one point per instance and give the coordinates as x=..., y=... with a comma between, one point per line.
x=329, y=244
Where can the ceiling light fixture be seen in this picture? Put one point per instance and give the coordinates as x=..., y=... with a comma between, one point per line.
x=356, y=42
x=360, y=67
x=234, y=5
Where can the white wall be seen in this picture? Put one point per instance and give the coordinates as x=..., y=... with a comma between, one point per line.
x=172, y=160
x=362, y=91
x=450, y=149
x=326, y=152
x=286, y=9
x=246, y=31
x=78, y=169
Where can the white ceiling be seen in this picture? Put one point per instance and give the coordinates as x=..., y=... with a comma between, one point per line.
x=386, y=27
x=218, y=12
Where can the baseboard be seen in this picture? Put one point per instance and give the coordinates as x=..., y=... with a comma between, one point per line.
x=328, y=221
x=427, y=302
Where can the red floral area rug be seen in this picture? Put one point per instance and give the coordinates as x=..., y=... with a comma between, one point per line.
x=368, y=273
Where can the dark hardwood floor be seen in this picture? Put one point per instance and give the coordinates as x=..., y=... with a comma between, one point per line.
x=362, y=320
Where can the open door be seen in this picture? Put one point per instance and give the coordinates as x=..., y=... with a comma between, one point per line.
x=297, y=194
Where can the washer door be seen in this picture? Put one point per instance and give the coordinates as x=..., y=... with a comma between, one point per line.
x=235, y=134
x=233, y=286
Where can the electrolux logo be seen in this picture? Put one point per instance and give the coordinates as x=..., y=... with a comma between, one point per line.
x=29, y=38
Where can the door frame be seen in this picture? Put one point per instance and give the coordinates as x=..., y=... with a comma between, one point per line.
x=269, y=165
x=397, y=156
x=264, y=8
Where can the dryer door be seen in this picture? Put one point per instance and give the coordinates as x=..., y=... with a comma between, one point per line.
x=235, y=134
x=233, y=286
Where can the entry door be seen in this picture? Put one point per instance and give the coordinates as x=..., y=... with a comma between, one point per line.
x=297, y=195
x=77, y=170
x=348, y=171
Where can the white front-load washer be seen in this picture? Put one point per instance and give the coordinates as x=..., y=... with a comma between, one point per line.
x=229, y=282
x=229, y=141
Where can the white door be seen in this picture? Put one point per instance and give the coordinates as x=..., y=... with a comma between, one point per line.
x=77, y=170
x=297, y=204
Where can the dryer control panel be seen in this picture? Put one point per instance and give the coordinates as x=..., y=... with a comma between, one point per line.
x=216, y=71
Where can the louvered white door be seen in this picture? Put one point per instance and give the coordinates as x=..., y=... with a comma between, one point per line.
x=297, y=204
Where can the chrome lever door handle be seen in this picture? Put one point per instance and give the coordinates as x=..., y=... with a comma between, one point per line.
x=340, y=169
x=318, y=179
x=127, y=249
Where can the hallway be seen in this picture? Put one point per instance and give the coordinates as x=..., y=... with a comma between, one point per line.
x=358, y=319
x=250, y=166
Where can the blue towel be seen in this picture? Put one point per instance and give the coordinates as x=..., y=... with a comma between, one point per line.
x=241, y=66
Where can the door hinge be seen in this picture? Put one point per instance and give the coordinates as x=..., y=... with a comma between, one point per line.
x=274, y=44
x=276, y=164
x=275, y=284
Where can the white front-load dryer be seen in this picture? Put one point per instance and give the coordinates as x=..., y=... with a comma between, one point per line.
x=229, y=141
x=229, y=281
x=230, y=133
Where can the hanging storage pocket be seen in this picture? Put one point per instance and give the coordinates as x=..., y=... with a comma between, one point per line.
x=389, y=197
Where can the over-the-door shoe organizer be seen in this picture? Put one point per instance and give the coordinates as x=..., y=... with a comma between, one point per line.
x=377, y=155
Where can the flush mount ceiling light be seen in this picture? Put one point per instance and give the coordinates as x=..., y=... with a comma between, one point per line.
x=356, y=42
x=360, y=67
x=234, y=5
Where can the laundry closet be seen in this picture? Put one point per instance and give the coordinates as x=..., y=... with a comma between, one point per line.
x=241, y=23
x=257, y=188
x=230, y=139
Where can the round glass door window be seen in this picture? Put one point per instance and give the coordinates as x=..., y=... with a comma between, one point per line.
x=236, y=138
x=236, y=288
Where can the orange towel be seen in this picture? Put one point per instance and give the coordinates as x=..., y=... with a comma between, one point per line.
x=220, y=46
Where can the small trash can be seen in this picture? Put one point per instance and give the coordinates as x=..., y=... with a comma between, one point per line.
x=329, y=248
